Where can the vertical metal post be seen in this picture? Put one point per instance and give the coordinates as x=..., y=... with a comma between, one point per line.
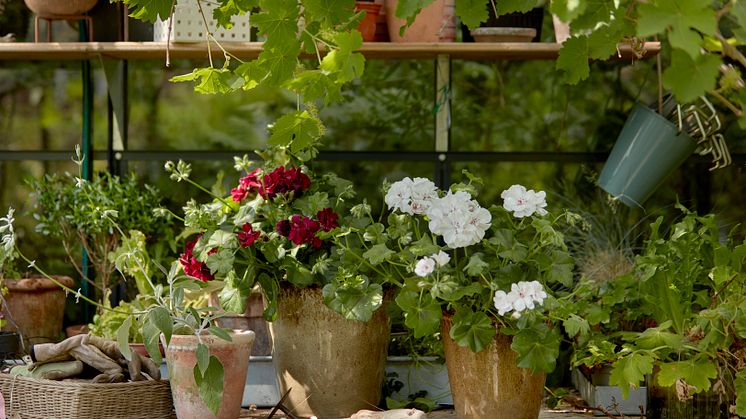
x=87, y=169
x=117, y=81
x=443, y=119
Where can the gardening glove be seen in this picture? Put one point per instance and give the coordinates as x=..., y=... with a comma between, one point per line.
x=136, y=366
x=78, y=347
x=49, y=370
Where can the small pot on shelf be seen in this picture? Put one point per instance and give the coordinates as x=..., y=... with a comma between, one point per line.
x=367, y=26
x=510, y=27
x=60, y=8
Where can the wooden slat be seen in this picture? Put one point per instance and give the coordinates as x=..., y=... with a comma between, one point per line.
x=250, y=50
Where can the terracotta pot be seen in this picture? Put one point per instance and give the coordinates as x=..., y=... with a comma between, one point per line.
x=60, y=8
x=141, y=350
x=37, y=306
x=434, y=23
x=367, y=26
x=181, y=357
x=76, y=329
x=489, y=384
x=251, y=319
x=333, y=366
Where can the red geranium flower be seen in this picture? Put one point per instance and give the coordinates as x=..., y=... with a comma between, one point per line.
x=328, y=219
x=248, y=183
x=303, y=231
x=248, y=236
x=282, y=181
x=283, y=228
x=192, y=266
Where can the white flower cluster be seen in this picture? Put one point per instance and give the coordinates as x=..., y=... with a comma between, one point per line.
x=8, y=238
x=411, y=196
x=426, y=265
x=522, y=202
x=459, y=219
x=523, y=295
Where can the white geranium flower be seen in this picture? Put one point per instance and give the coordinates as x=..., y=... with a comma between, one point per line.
x=411, y=196
x=441, y=258
x=399, y=195
x=459, y=219
x=503, y=302
x=424, y=267
x=522, y=202
x=523, y=294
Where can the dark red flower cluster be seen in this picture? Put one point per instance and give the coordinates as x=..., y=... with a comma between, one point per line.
x=192, y=266
x=248, y=236
x=248, y=183
x=303, y=231
x=328, y=219
x=282, y=181
x=283, y=228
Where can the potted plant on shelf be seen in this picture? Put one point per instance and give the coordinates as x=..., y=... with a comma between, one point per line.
x=688, y=287
x=454, y=261
x=276, y=229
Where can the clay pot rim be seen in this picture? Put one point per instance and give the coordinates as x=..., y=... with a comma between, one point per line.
x=38, y=283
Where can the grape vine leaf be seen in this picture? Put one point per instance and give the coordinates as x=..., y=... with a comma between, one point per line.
x=278, y=21
x=682, y=18
x=630, y=371
x=602, y=42
x=596, y=11
x=236, y=291
x=510, y=6
x=408, y=9
x=252, y=73
x=472, y=329
x=328, y=12
x=344, y=61
x=573, y=59
x=567, y=10
x=298, y=130
x=149, y=10
x=687, y=78
x=208, y=80
x=229, y=8
x=472, y=12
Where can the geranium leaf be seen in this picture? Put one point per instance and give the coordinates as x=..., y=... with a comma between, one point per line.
x=510, y=6
x=355, y=298
x=575, y=324
x=236, y=290
x=210, y=384
x=424, y=247
x=421, y=312
x=630, y=371
x=655, y=337
x=537, y=348
x=378, y=254
x=476, y=265
x=472, y=329
x=221, y=262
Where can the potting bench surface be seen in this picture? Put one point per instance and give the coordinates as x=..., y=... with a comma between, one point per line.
x=449, y=414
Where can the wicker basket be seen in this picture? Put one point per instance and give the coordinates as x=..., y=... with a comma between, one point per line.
x=28, y=398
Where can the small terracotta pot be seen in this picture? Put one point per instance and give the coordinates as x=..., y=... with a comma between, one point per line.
x=141, y=350
x=60, y=8
x=489, y=384
x=181, y=357
x=434, y=23
x=37, y=306
x=367, y=26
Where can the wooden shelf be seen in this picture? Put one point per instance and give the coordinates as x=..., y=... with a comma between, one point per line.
x=55, y=51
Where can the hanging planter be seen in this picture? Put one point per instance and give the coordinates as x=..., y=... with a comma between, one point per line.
x=648, y=150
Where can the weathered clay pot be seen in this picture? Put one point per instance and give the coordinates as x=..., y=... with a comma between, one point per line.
x=333, y=366
x=60, y=8
x=489, y=384
x=251, y=319
x=181, y=357
x=434, y=23
x=37, y=306
x=367, y=26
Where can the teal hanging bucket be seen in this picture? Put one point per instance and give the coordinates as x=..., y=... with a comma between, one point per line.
x=648, y=149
